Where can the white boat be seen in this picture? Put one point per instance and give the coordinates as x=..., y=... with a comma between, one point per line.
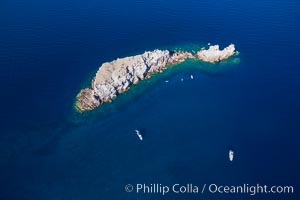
x=192, y=77
x=231, y=154
x=167, y=81
x=139, y=134
x=181, y=79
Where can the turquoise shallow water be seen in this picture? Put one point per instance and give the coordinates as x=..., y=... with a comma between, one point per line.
x=50, y=50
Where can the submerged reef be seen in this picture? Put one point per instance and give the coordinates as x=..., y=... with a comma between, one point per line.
x=116, y=77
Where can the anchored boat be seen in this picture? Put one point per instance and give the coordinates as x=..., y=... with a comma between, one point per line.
x=139, y=134
x=231, y=154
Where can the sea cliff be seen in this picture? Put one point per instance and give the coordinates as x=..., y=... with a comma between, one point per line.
x=116, y=77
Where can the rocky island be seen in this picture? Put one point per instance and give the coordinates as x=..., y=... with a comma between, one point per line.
x=116, y=77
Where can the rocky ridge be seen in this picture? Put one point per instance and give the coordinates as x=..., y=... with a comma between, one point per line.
x=116, y=77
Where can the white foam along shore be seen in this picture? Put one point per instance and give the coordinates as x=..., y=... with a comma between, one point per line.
x=116, y=77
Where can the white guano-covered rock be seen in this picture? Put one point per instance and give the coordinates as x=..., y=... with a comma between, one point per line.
x=214, y=54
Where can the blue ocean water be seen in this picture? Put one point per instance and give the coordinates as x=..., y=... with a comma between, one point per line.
x=49, y=50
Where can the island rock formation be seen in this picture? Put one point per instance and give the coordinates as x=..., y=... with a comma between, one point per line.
x=214, y=54
x=116, y=77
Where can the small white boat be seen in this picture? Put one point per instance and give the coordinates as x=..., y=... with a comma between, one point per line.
x=192, y=77
x=208, y=44
x=231, y=154
x=139, y=134
x=181, y=79
x=167, y=81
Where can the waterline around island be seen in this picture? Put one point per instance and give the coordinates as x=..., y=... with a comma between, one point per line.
x=119, y=75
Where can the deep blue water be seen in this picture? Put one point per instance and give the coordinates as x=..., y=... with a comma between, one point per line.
x=49, y=50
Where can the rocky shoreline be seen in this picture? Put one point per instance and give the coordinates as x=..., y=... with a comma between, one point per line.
x=116, y=77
